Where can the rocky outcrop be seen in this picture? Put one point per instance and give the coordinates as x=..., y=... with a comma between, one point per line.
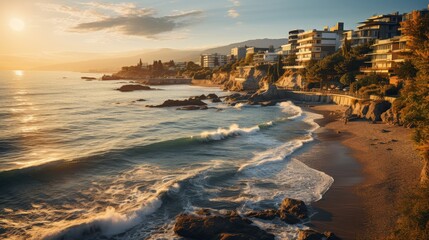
x=292, y=210
x=290, y=80
x=272, y=93
x=268, y=214
x=212, y=226
x=360, y=108
x=220, y=78
x=313, y=235
x=179, y=103
x=245, y=79
x=376, y=108
x=88, y=78
x=133, y=87
x=110, y=77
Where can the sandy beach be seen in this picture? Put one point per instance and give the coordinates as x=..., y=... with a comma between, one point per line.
x=373, y=165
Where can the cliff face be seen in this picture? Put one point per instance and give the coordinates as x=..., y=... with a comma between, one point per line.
x=220, y=78
x=245, y=79
x=290, y=80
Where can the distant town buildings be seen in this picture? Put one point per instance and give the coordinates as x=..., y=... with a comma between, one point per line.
x=265, y=57
x=238, y=53
x=213, y=60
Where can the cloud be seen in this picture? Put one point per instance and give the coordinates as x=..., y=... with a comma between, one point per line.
x=123, y=18
x=233, y=13
x=140, y=25
x=235, y=2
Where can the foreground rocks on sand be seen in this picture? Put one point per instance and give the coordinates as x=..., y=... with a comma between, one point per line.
x=133, y=87
x=313, y=235
x=179, y=103
x=291, y=211
x=205, y=224
x=211, y=226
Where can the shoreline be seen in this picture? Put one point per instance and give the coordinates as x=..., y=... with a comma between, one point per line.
x=373, y=166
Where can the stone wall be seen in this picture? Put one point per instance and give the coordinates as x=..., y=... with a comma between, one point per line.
x=320, y=97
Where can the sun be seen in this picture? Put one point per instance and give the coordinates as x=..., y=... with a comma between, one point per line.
x=16, y=24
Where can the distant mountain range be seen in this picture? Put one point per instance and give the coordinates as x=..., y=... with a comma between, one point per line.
x=111, y=64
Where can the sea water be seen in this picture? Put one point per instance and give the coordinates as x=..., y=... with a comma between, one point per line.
x=81, y=160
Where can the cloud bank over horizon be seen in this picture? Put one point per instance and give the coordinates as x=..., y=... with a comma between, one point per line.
x=123, y=18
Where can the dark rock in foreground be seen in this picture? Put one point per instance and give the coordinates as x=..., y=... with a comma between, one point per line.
x=180, y=103
x=313, y=235
x=229, y=226
x=291, y=210
x=268, y=214
x=133, y=87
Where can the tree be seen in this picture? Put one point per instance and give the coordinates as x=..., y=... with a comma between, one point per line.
x=290, y=60
x=406, y=70
x=347, y=78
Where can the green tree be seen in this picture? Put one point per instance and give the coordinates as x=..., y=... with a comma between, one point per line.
x=406, y=70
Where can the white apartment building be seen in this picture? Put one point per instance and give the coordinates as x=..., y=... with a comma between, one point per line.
x=317, y=44
x=213, y=60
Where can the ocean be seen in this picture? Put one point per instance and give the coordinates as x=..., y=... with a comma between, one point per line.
x=81, y=160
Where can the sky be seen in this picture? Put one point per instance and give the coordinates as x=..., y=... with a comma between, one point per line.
x=72, y=28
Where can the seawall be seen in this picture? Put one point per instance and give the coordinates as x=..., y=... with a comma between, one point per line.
x=338, y=99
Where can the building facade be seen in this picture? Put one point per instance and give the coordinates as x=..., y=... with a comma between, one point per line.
x=386, y=54
x=290, y=47
x=317, y=44
x=213, y=60
x=376, y=27
x=238, y=53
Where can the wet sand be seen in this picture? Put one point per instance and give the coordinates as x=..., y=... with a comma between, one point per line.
x=373, y=165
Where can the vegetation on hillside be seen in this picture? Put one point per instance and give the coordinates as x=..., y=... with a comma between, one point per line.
x=413, y=106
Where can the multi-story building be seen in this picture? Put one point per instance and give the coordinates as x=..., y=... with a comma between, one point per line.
x=253, y=50
x=238, y=53
x=290, y=47
x=376, y=27
x=317, y=44
x=265, y=57
x=386, y=54
x=213, y=60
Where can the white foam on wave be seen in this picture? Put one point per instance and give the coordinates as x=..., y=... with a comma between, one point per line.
x=131, y=212
x=291, y=109
x=233, y=130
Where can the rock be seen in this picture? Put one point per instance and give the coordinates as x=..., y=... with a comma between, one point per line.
x=180, y=103
x=141, y=100
x=376, y=108
x=268, y=214
x=291, y=209
x=88, y=78
x=110, y=77
x=360, y=109
x=212, y=96
x=216, y=100
x=229, y=226
x=193, y=108
x=384, y=131
x=271, y=93
x=133, y=87
x=313, y=235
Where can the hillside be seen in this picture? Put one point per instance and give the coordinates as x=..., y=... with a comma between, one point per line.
x=113, y=64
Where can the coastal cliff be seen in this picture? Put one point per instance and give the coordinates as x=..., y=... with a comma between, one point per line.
x=290, y=80
x=246, y=78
